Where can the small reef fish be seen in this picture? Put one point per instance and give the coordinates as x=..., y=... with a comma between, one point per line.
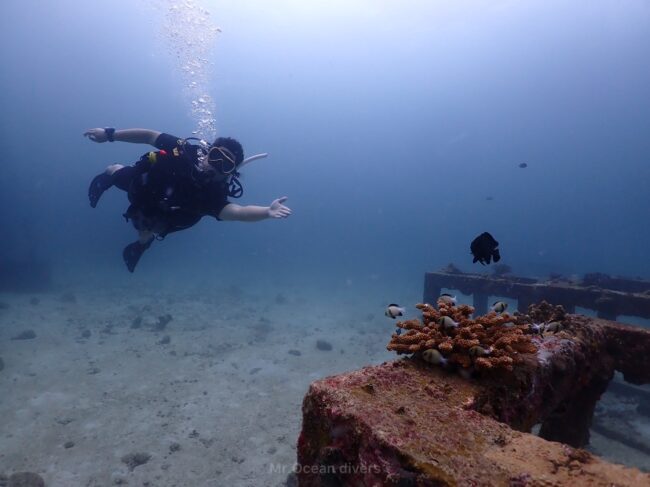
x=447, y=299
x=537, y=328
x=447, y=322
x=434, y=356
x=499, y=307
x=523, y=165
x=394, y=310
x=484, y=249
x=478, y=351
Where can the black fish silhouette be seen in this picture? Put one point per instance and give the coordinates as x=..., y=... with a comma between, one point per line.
x=484, y=248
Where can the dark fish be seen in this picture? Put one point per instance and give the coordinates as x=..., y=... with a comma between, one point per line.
x=523, y=165
x=489, y=198
x=484, y=248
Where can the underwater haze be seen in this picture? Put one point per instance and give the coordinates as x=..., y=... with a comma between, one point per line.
x=399, y=131
x=388, y=125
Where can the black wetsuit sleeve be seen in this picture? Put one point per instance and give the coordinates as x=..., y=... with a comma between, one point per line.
x=217, y=201
x=217, y=209
x=166, y=142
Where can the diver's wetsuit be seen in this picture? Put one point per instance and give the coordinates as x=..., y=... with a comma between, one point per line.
x=166, y=190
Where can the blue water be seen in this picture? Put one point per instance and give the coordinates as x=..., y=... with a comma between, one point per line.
x=387, y=127
x=388, y=124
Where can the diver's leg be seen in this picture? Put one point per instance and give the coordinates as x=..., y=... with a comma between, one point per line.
x=145, y=236
x=134, y=250
x=124, y=176
x=102, y=182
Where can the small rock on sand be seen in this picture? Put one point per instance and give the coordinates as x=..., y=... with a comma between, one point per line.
x=323, y=345
x=133, y=460
x=25, y=335
x=25, y=479
x=163, y=321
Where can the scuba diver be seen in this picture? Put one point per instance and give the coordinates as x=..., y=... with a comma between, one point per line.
x=172, y=188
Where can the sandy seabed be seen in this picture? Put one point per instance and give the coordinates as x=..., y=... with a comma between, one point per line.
x=111, y=391
x=213, y=396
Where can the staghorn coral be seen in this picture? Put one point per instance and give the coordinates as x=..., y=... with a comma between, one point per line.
x=502, y=338
x=484, y=363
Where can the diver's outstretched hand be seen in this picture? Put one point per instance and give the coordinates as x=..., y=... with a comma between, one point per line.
x=96, y=135
x=278, y=210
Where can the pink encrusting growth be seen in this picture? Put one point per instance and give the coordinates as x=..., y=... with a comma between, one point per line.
x=411, y=422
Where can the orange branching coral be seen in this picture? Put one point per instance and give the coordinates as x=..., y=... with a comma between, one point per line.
x=430, y=344
x=484, y=343
x=507, y=339
x=405, y=347
x=424, y=307
x=445, y=347
x=411, y=337
x=464, y=344
x=492, y=319
x=413, y=324
x=484, y=363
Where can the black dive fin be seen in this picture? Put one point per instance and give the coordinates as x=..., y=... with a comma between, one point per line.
x=132, y=253
x=97, y=187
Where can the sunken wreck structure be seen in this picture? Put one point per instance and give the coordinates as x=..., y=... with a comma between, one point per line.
x=458, y=408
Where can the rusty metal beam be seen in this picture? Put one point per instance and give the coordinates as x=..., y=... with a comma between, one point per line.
x=608, y=303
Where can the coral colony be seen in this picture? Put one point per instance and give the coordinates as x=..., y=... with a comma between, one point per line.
x=448, y=336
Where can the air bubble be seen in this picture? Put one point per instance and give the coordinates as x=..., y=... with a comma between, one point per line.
x=191, y=34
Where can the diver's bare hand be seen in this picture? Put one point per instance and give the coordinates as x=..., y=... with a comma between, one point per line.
x=96, y=135
x=278, y=210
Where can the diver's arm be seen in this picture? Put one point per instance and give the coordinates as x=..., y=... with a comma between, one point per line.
x=237, y=213
x=135, y=136
x=252, y=213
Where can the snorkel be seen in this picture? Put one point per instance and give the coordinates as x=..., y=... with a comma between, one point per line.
x=253, y=158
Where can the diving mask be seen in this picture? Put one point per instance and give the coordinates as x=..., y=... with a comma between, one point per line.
x=222, y=160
